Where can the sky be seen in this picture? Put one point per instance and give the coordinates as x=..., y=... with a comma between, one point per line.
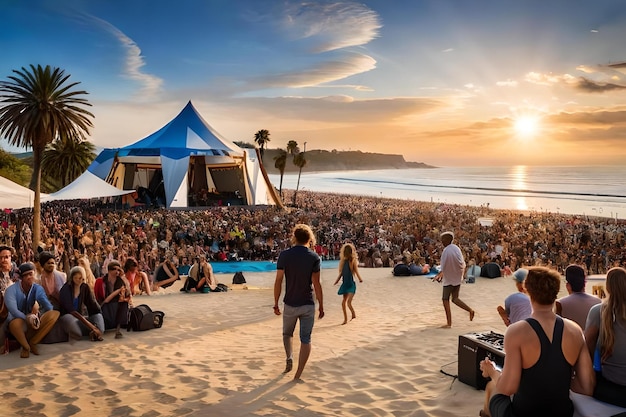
x=445, y=82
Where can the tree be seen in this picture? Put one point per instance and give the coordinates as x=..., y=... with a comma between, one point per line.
x=280, y=163
x=262, y=137
x=39, y=106
x=300, y=161
x=14, y=169
x=66, y=159
x=292, y=147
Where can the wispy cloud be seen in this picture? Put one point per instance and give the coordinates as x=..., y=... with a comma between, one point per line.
x=332, y=25
x=507, y=83
x=150, y=85
x=597, y=79
x=324, y=72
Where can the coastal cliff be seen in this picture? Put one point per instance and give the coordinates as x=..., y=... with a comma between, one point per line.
x=321, y=160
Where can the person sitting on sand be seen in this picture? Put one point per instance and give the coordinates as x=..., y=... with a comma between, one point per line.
x=31, y=315
x=577, y=304
x=402, y=268
x=165, y=275
x=138, y=280
x=113, y=296
x=200, y=275
x=77, y=298
x=605, y=333
x=348, y=268
x=517, y=305
x=419, y=268
x=546, y=356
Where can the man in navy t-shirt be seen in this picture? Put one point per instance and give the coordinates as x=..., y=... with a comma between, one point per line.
x=299, y=266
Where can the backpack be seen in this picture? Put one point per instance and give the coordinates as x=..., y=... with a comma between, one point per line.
x=143, y=318
x=238, y=278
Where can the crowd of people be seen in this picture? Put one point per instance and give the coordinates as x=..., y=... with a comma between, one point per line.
x=382, y=230
x=111, y=255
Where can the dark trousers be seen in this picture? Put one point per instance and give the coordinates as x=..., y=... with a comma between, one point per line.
x=115, y=314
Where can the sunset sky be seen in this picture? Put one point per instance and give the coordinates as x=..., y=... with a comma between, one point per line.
x=446, y=82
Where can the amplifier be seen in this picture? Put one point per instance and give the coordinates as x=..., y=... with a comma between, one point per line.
x=473, y=348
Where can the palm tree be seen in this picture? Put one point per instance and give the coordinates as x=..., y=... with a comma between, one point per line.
x=292, y=147
x=66, y=159
x=38, y=107
x=262, y=137
x=300, y=161
x=280, y=163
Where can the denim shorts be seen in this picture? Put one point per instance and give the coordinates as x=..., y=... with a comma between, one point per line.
x=306, y=314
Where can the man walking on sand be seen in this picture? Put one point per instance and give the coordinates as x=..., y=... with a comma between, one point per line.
x=300, y=267
x=452, y=269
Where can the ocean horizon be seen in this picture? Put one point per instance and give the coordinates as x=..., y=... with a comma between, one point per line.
x=580, y=190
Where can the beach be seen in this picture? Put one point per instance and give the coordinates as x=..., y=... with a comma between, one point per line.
x=221, y=354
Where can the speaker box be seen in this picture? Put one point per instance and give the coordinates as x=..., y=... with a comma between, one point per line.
x=473, y=348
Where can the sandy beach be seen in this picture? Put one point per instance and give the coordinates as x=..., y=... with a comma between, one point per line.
x=221, y=354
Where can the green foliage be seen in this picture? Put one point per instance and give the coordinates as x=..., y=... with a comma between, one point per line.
x=14, y=169
x=262, y=137
x=65, y=160
x=38, y=106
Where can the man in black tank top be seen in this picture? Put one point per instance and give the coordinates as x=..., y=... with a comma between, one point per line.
x=543, y=352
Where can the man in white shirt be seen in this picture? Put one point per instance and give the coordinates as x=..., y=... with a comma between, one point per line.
x=452, y=269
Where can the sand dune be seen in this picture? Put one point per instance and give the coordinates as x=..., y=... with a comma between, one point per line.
x=221, y=354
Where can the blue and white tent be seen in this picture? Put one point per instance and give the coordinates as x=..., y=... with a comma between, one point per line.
x=187, y=163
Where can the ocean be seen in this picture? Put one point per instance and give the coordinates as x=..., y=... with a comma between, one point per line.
x=583, y=190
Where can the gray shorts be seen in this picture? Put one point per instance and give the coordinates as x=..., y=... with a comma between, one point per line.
x=450, y=290
x=306, y=314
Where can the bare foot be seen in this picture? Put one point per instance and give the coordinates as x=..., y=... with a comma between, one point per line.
x=288, y=366
x=445, y=326
x=345, y=321
x=472, y=315
x=353, y=317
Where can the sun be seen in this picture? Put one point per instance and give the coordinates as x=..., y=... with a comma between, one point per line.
x=527, y=126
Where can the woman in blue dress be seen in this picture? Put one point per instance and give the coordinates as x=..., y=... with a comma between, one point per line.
x=348, y=268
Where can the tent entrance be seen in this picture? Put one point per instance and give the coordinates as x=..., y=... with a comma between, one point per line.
x=213, y=186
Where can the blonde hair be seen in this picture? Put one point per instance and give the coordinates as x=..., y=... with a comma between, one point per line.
x=303, y=235
x=348, y=254
x=76, y=270
x=90, y=278
x=613, y=309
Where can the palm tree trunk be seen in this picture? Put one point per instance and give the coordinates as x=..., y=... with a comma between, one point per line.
x=37, y=203
x=280, y=188
x=297, y=187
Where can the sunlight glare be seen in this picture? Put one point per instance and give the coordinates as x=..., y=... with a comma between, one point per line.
x=527, y=126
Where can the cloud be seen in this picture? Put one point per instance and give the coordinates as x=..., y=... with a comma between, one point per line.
x=507, y=83
x=340, y=109
x=590, y=86
x=550, y=79
x=346, y=65
x=150, y=85
x=332, y=25
x=584, y=84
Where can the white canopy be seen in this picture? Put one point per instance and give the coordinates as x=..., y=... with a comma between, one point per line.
x=85, y=187
x=15, y=196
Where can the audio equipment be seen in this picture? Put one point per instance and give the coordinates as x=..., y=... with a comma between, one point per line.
x=473, y=348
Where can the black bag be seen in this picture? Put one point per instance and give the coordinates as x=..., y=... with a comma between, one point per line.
x=143, y=318
x=238, y=278
x=221, y=287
